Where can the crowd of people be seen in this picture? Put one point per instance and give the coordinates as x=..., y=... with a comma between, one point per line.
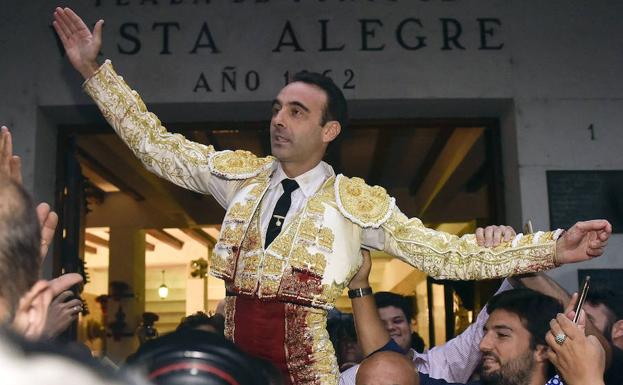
x=294, y=237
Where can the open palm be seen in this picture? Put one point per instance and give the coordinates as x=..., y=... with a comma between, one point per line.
x=80, y=44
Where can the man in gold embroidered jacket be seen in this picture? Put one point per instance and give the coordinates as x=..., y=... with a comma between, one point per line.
x=284, y=290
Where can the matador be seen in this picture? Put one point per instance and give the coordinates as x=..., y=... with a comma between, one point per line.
x=290, y=240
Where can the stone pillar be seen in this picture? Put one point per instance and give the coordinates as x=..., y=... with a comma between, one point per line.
x=126, y=264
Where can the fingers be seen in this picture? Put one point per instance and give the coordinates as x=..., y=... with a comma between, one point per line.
x=509, y=233
x=64, y=282
x=480, y=236
x=43, y=210
x=64, y=296
x=48, y=220
x=497, y=235
x=6, y=150
x=15, y=168
x=555, y=328
x=61, y=34
x=567, y=326
x=595, y=225
x=571, y=305
x=76, y=21
x=61, y=25
x=97, y=31
x=492, y=236
x=67, y=22
x=488, y=236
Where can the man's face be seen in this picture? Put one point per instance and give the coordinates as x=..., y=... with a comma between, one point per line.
x=506, y=354
x=296, y=134
x=600, y=316
x=397, y=325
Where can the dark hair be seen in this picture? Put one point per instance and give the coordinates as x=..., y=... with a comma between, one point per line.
x=610, y=299
x=193, y=321
x=386, y=298
x=614, y=307
x=20, y=242
x=336, y=108
x=534, y=309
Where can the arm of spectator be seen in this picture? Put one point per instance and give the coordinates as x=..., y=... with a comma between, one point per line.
x=580, y=359
x=542, y=283
x=371, y=333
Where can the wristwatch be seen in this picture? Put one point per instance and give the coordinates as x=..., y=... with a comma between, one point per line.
x=360, y=292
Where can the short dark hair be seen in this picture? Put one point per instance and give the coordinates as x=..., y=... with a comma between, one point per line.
x=193, y=321
x=336, y=108
x=20, y=243
x=613, y=303
x=534, y=309
x=609, y=298
x=386, y=298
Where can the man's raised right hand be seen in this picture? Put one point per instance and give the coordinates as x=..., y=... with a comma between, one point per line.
x=81, y=46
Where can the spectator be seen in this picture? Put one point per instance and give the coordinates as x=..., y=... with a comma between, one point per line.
x=387, y=368
x=200, y=320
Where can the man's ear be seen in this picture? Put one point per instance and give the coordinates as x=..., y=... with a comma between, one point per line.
x=540, y=353
x=617, y=331
x=32, y=311
x=331, y=130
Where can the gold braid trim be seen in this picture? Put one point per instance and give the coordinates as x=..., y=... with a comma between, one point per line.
x=238, y=164
x=364, y=205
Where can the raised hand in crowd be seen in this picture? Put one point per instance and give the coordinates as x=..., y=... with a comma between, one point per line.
x=81, y=46
x=63, y=310
x=60, y=311
x=580, y=359
x=11, y=165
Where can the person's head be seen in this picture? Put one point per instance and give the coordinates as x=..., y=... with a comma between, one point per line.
x=202, y=321
x=23, y=299
x=307, y=115
x=513, y=347
x=387, y=368
x=604, y=308
x=396, y=312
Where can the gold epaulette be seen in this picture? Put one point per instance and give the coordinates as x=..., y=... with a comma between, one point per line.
x=238, y=164
x=367, y=206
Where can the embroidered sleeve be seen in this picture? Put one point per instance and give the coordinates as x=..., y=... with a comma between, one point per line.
x=446, y=256
x=171, y=156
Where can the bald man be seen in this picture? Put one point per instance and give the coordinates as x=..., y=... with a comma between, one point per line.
x=387, y=368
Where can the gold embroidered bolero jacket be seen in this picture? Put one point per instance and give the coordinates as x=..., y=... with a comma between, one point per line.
x=317, y=253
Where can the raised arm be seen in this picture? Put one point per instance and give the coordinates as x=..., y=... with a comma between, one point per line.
x=371, y=332
x=544, y=284
x=447, y=256
x=188, y=164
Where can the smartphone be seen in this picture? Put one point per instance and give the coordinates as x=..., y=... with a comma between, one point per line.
x=582, y=298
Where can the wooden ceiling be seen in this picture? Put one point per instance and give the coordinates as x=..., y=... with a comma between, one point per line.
x=440, y=173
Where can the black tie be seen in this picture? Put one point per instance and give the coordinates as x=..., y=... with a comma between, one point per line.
x=281, y=209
